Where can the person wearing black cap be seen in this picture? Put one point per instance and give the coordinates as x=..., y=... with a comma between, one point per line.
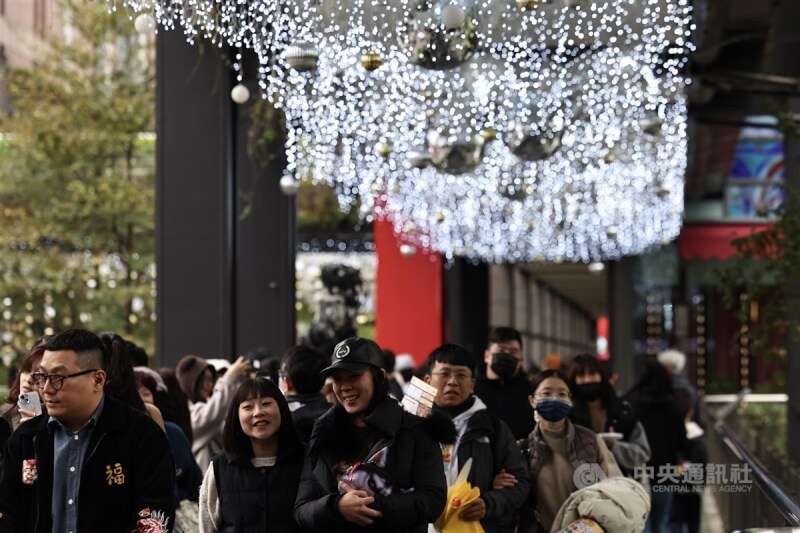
x=369, y=463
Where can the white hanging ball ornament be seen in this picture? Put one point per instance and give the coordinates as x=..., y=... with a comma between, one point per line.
x=289, y=185
x=453, y=16
x=407, y=250
x=145, y=23
x=240, y=94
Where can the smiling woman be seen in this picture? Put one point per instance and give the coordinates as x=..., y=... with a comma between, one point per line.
x=371, y=466
x=251, y=485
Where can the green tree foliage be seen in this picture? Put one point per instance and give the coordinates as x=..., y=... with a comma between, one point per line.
x=765, y=270
x=77, y=184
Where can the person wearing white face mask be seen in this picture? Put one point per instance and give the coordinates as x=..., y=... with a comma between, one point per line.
x=563, y=457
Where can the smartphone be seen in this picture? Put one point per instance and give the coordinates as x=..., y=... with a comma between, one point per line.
x=29, y=401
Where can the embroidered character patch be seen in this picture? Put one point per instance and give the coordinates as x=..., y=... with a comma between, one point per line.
x=152, y=521
x=115, y=475
x=29, y=472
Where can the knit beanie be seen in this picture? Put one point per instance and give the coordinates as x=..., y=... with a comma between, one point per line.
x=189, y=370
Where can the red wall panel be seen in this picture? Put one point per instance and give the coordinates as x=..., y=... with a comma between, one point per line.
x=408, y=297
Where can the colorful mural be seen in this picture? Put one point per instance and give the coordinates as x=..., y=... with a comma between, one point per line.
x=758, y=157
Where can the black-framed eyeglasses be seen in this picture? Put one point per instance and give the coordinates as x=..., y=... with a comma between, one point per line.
x=56, y=380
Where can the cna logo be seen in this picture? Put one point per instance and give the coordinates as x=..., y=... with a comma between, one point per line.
x=587, y=474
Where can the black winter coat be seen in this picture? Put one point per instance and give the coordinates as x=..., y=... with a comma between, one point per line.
x=127, y=478
x=507, y=399
x=492, y=447
x=258, y=499
x=414, y=462
x=306, y=409
x=665, y=428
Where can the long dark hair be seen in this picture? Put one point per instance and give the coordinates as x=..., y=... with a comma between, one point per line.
x=589, y=364
x=182, y=415
x=33, y=357
x=235, y=443
x=118, y=364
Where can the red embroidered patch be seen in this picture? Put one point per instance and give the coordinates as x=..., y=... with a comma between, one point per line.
x=152, y=522
x=29, y=472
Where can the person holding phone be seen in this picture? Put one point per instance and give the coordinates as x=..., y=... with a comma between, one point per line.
x=15, y=413
x=93, y=464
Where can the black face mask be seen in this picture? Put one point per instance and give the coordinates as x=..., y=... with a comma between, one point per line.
x=504, y=365
x=588, y=392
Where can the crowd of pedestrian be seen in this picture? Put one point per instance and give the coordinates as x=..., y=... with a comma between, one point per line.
x=93, y=439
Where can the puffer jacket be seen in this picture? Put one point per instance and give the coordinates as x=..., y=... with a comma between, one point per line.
x=618, y=504
x=414, y=463
x=489, y=442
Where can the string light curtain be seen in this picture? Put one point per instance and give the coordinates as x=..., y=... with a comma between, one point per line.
x=503, y=131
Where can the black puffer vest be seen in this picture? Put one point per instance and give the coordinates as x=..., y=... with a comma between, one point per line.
x=257, y=499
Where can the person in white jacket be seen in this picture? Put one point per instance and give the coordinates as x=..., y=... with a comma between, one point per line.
x=209, y=398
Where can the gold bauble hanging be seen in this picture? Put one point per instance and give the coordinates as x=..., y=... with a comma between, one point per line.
x=528, y=5
x=384, y=148
x=489, y=134
x=371, y=60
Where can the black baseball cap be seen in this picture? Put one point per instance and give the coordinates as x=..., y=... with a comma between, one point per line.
x=355, y=355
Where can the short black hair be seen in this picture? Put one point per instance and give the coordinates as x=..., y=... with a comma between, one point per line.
x=302, y=365
x=235, y=443
x=504, y=334
x=87, y=345
x=451, y=354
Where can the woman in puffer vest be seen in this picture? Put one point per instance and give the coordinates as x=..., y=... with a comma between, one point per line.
x=563, y=457
x=252, y=484
x=371, y=466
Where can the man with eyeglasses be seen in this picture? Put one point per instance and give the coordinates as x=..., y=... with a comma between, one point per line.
x=90, y=463
x=498, y=467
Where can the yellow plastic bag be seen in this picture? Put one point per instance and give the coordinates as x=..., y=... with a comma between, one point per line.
x=458, y=495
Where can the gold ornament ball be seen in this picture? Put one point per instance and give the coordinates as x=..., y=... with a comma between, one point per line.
x=384, y=149
x=489, y=134
x=440, y=217
x=609, y=158
x=371, y=60
x=527, y=5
